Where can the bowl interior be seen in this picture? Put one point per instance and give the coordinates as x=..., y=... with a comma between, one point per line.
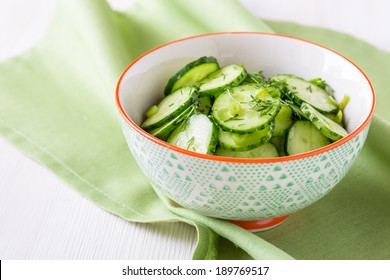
x=143, y=81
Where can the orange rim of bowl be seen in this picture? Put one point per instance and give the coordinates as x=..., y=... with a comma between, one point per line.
x=242, y=160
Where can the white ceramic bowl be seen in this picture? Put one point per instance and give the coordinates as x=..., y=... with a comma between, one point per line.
x=244, y=189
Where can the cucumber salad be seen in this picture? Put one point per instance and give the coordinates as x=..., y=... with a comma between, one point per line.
x=228, y=111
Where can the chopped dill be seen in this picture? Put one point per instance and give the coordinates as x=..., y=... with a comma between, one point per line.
x=319, y=82
x=263, y=106
x=190, y=142
x=234, y=118
x=230, y=93
x=256, y=77
x=297, y=113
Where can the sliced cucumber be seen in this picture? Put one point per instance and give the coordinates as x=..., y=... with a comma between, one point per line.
x=329, y=128
x=303, y=137
x=198, y=134
x=203, y=105
x=300, y=90
x=266, y=150
x=337, y=118
x=297, y=114
x=192, y=73
x=283, y=120
x=244, y=142
x=246, y=108
x=218, y=81
x=255, y=78
x=278, y=142
x=164, y=131
x=322, y=84
x=169, y=108
x=245, y=114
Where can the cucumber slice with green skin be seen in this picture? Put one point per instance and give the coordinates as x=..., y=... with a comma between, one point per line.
x=322, y=84
x=198, y=134
x=303, y=137
x=283, y=121
x=329, y=128
x=255, y=78
x=192, y=73
x=300, y=90
x=246, y=108
x=245, y=142
x=337, y=118
x=278, y=142
x=164, y=131
x=170, y=107
x=228, y=76
x=203, y=105
x=297, y=114
x=266, y=150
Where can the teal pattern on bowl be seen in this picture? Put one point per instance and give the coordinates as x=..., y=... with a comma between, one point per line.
x=237, y=191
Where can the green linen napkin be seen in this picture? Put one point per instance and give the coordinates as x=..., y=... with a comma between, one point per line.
x=57, y=105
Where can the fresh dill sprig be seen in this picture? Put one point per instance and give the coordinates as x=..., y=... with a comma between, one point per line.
x=319, y=82
x=234, y=118
x=256, y=77
x=263, y=106
x=230, y=93
x=297, y=113
x=183, y=123
x=190, y=142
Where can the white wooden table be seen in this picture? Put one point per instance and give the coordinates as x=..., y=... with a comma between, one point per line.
x=43, y=218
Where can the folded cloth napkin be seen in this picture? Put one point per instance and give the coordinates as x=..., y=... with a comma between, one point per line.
x=57, y=105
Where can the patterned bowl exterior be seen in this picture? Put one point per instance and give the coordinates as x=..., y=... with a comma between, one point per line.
x=242, y=191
